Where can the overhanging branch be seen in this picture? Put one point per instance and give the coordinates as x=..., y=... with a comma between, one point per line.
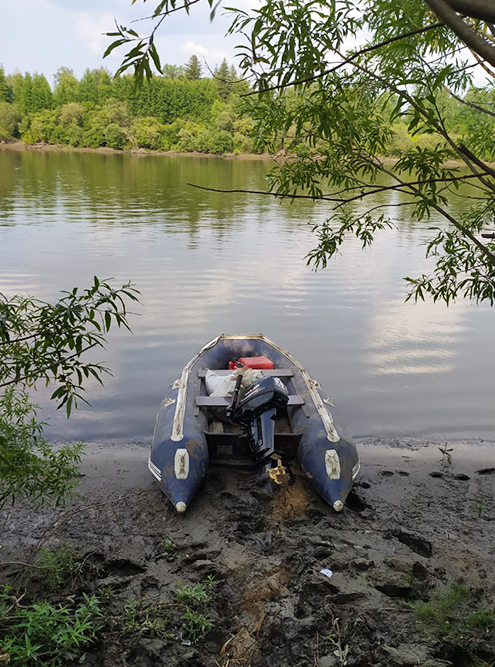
x=345, y=61
x=462, y=29
x=476, y=9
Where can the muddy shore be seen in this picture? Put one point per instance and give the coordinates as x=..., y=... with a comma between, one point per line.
x=421, y=519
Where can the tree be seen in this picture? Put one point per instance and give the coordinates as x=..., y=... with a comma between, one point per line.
x=223, y=77
x=192, y=70
x=5, y=88
x=336, y=101
x=41, y=94
x=46, y=343
x=9, y=121
x=66, y=86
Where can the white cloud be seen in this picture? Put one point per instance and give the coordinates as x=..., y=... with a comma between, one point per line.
x=212, y=56
x=90, y=31
x=192, y=48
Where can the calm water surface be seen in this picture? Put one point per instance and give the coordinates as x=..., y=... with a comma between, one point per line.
x=207, y=263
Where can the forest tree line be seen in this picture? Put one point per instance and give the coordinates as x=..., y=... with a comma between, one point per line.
x=182, y=110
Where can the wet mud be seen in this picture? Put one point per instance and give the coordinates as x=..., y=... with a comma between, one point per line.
x=295, y=584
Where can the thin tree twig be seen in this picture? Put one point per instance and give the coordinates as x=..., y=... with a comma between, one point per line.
x=346, y=61
x=169, y=11
x=379, y=189
x=469, y=104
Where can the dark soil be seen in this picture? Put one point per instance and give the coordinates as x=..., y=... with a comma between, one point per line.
x=415, y=523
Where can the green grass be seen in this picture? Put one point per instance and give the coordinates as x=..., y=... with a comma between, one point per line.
x=195, y=598
x=192, y=595
x=53, y=568
x=455, y=609
x=45, y=634
x=145, y=618
x=196, y=624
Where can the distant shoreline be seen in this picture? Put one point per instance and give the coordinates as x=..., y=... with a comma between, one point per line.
x=105, y=150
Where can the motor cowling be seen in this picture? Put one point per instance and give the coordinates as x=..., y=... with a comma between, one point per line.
x=257, y=411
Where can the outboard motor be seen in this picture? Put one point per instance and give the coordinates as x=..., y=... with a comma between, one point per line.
x=257, y=411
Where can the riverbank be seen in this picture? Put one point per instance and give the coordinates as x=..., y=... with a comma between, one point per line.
x=419, y=524
x=105, y=150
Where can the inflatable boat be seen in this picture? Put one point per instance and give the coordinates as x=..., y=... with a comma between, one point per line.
x=281, y=415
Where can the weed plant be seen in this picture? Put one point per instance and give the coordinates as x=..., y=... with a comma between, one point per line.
x=53, y=568
x=143, y=618
x=44, y=634
x=454, y=611
x=192, y=595
x=196, y=622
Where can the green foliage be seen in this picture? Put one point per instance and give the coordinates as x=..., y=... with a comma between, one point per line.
x=45, y=634
x=115, y=136
x=225, y=76
x=145, y=618
x=9, y=121
x=168, y=549
x=192, y=70
x=342, y=110
x=5, y=89
x=66, y=87
x=98, y=111
x=46, y=342
x=147, y=133
x=53, y=568
x=193, y=595
x=450, y=611
x=29, y=467
x=195, y=599
x=196, y=624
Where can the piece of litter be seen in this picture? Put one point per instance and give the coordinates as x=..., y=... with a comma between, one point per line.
x=327, y=573
x=184, y=642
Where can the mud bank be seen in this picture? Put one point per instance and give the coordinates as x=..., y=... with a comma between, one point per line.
x=422, y=518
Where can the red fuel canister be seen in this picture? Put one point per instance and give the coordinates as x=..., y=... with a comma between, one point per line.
x=252, y=362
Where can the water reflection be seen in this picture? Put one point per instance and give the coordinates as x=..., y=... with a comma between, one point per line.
x=207, y=262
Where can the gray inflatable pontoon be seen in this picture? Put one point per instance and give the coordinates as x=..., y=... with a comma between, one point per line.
x=192, y=430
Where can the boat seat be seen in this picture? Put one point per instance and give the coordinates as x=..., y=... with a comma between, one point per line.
x=274, y=372
x=224, y=401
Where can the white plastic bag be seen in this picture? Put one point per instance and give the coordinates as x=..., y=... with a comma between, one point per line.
x=224, y=385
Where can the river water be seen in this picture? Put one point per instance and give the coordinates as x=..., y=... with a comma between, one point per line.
x=207, y=263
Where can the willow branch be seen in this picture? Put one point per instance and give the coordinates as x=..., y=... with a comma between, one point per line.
x=41, y=371
x=476, y=9
x=361, y=195
x=346, y=61
x=469, y=104
x=490, y=256
x=482, y=63
x=435, y=124
x=462, y=30
x=185, y=6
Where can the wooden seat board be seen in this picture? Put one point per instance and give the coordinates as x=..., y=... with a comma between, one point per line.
x=224, y=401
x=273, y=372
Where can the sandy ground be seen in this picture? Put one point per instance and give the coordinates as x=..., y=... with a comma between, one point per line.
x=418, y=520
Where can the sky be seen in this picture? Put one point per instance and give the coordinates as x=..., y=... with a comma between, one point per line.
x=43, y=35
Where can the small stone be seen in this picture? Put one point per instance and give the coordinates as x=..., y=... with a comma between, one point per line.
x=307, y=623
x=204, y=565
x=328, y=660
x=361, y=564
x=408, y=654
